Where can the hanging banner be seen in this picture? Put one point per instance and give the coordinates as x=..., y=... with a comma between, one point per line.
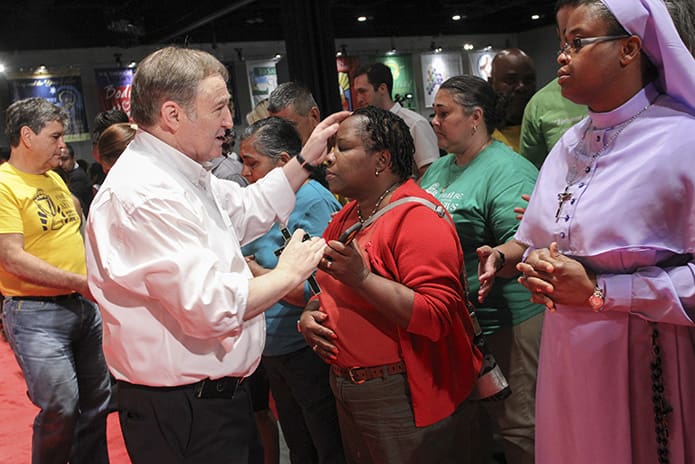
x=403, y=79
x=263, y=79
x=113, y=88
x=346, y=66
x=436, y=68
x=63, y=90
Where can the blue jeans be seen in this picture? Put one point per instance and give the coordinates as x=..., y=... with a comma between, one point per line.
x=58, y=347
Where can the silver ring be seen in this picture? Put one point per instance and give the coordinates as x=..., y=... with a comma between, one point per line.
x=328, y=264
x=315, y=347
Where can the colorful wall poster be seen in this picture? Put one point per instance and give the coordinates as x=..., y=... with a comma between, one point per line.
x=481, y=62
x=113, y=88
x=346, y=67
x=263, y=79
x=436, y=68
x=63, y=90
x=404, y=89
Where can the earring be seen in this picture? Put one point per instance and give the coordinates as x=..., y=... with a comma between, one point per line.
x=475, y=129
x=377, y=172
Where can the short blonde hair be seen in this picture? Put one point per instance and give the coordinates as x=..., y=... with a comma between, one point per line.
x=260, y=111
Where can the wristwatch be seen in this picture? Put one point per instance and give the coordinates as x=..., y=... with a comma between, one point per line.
x=597, y=299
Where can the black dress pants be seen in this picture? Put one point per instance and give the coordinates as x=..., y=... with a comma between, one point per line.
x=172, y=425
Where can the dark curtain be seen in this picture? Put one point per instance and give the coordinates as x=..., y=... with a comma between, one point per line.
x=310, y=47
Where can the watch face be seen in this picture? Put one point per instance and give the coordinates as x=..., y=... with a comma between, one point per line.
x=596, y=302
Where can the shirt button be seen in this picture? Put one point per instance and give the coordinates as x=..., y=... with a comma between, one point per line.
x=567, y=218
x=588, y=169
x=581, y=184
x=598, y=138
x=562, y=235
x=572, y=201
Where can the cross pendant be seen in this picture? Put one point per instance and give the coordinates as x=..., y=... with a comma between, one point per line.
x=562, y=197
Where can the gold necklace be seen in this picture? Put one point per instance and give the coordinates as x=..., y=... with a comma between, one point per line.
x=378, y=203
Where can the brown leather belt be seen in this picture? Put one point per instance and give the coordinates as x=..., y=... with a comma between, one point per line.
x=359, y=375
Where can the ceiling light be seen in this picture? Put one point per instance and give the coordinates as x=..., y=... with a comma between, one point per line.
x=41, y=69
x=2, y=68
x=535, y=17
x=456, y=17
x=391, y=52
x=361, y=19
x=468, y=46
x=277, y=56
x=132, y=64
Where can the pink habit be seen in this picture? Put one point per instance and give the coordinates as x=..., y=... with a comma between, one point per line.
x=631, y=219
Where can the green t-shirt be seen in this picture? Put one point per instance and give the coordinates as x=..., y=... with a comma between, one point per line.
x=547, y=117
x=481, y=198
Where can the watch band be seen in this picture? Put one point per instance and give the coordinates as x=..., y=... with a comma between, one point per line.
x=502, y=261
x=597, y=300
x=304, y=163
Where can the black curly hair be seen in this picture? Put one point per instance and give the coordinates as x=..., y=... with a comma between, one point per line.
x=384, y=130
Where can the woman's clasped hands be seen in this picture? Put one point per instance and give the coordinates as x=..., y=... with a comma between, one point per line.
x=553, y=278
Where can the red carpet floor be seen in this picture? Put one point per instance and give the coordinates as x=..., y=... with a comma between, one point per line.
x=17, y=414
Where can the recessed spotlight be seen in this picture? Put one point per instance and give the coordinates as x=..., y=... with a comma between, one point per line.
x=438, y=50
x=361, y=19
x=456, y=17
x=277, y=56
x=535, y=17
x=338, y=53
x=41, y=69
x=2, y=68
x=468, y=46
x=132, y=64
x=391, y=52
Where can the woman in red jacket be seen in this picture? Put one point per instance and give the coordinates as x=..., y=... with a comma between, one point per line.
x=399, y=336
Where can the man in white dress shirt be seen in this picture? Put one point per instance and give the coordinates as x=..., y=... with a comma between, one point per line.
x=373, y=85
x=183, y=315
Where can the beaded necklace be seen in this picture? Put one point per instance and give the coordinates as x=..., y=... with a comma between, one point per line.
x=378, y=203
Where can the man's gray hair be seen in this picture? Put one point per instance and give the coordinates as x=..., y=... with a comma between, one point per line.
x=683, y=14
x=291, y=94
x=170, y=74
x=34, y=113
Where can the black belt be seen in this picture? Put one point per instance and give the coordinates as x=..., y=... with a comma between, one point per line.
x=50, y=299
x=224, y=387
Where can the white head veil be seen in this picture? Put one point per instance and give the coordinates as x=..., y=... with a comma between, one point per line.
x=650, y=20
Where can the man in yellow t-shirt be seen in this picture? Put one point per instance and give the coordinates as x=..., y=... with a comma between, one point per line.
x=513, y=77
x=54, y=331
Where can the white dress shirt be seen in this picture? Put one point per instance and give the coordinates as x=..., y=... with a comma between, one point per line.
x=426, y=148
x=165, y=265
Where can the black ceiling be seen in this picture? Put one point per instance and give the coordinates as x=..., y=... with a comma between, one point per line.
x=53, y=24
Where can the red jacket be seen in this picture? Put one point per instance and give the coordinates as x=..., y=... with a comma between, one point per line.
x=412, y=245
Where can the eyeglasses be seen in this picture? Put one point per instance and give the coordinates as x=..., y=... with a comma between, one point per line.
x=572, y=47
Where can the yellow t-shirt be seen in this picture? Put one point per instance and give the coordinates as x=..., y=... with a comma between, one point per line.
x=510, y=136
x=40, y=207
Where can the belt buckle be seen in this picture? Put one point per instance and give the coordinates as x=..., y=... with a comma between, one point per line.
x=351, y=376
